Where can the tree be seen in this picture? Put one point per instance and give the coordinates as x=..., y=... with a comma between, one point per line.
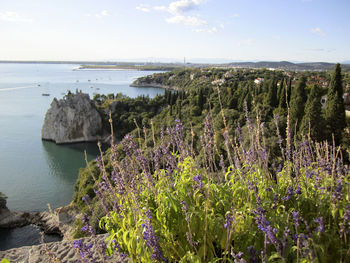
x=335, y=110
x=297, y=104
x=271, y=98
x=313, y=121
x=282, y=96
x=200, y=99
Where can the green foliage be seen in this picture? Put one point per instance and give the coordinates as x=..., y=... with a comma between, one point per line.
x=5, y=261
x=297, y=104
x=189, y=211
x=3, y=198
x=335, y=110
x=126, y=111
x=313, y=123
x=271, y=98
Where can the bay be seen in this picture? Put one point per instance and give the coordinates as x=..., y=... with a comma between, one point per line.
x=34, y=173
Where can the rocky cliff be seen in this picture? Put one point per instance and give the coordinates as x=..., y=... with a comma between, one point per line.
x=72, y=119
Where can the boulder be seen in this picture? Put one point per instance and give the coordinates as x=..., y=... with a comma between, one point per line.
x=72, y=119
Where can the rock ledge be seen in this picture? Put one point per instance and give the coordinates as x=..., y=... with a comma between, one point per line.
x=72, y=119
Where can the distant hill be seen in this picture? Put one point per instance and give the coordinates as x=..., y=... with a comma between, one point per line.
x=283, y=65
x=286, y=65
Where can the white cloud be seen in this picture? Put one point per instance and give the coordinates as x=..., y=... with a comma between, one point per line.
x=235, y=15
x=160, y=8
x=182, y=6
x=318, y=31
x=143, y=8
x=101, y=14
x=10, y=16
x=178, y=9
x=186, y=20
x=222, y=26
x=105, y=13
x=206, y=30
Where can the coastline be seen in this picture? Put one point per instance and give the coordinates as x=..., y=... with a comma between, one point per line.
x=154, y=85
x=60, y=251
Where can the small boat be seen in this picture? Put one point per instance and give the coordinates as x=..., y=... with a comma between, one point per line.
x=45, y=94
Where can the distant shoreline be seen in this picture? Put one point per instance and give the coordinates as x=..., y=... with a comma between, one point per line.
x=159, y=66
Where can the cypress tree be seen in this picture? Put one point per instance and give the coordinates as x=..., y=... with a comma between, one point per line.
x=282, y=97
x=271, y=98
x=297, y=104
x=313, y=120
x=335, y=110
x=289, y=90
x=279, y=90
x=200, y=99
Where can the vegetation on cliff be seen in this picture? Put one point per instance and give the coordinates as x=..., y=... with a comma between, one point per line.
x=238, y=190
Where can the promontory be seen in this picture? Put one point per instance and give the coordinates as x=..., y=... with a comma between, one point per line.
x=72, y=119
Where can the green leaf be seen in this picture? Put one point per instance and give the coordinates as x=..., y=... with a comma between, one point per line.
x=5, y=261
x=274, y=256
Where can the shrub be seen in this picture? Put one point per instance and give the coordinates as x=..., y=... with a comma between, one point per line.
x=165, y=205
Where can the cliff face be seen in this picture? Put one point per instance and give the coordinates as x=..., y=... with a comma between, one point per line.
x=72, y=119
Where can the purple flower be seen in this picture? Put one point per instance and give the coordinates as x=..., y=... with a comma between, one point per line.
x=199, y=184
x=338, y=191
x=253, y=254
x=298, y=190
x=296, y=218
x=289, y=194
x=152, y=240
x=84, y=250
x=345, y=225
x=86, y=199
x=320, y=223
x=229, y=220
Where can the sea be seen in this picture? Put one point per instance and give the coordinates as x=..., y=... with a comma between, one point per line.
x=35, y=173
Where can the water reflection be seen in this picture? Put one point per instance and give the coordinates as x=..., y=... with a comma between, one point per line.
x=65, y=160
x=23, y=236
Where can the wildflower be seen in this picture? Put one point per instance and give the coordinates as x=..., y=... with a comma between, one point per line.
x=289, y=194
x=228, y=220
x=84, y=250
x=152, y=239
x=320, y=223
x=296, y=218
x=298, y=190
x=253, y=254
x=345, y=225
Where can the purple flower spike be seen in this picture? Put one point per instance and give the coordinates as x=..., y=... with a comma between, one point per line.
x=320, y=223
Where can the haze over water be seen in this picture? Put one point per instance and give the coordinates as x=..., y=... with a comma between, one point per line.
x=34, y=172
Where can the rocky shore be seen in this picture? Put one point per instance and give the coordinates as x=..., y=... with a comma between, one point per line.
x=57, y=222
x=60, y=222
x=72, y=119
x=62, y=251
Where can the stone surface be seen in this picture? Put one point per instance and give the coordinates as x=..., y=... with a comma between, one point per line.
x=62, y=251
x=10, y=219
x=72, y=119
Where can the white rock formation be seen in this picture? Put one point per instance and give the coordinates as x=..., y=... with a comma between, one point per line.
x=72, y=119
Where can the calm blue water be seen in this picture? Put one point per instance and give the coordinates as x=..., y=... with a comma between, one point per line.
x=34, y=173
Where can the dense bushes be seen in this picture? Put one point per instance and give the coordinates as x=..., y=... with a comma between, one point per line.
x=165, y=205
x=235, y=192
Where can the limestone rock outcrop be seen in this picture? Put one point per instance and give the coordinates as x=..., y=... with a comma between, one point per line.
x=72, y=119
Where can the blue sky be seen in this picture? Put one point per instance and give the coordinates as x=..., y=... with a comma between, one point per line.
x=162, y=30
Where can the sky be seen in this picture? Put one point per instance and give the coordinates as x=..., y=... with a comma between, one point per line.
x=171, y=30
